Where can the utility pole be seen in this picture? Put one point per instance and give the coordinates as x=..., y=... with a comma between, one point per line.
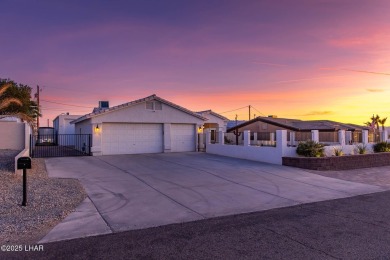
x=249, y=112
x=37, y=96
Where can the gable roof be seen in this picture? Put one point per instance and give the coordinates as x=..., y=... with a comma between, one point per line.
x=212, y=113
x=138, y=101
x=303, y=126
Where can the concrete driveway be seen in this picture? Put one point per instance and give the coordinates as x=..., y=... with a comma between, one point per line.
x=128, y=192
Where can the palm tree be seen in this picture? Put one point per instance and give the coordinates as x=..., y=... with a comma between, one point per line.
x=382, y=122
x=4, y=103
x=375, y=121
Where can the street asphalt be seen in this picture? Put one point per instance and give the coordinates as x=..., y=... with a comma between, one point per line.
x=349, y=228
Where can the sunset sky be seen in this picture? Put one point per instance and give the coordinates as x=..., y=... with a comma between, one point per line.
x=306, y=59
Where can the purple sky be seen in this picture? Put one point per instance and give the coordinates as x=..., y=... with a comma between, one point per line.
x=306, y=59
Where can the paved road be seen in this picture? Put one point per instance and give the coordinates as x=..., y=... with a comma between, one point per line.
x=128, y=192
x=350, y=228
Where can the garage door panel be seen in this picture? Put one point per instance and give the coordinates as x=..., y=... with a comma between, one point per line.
x=183, y=137
x=132, y=138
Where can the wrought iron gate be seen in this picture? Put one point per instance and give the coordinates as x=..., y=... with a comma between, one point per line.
x=60, y=145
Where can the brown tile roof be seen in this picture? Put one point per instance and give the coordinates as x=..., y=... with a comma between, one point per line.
x=304, y=126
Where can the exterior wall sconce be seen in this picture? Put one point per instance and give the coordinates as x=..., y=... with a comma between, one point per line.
x=97, y=129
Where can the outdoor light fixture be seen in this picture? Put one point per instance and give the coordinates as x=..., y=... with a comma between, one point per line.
x=97, y=128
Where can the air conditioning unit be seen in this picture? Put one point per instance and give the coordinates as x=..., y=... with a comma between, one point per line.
x=104, y=104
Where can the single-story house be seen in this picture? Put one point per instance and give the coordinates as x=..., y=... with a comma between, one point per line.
x=62, y=125
x=328, y=130
x=146, y=125
x=215, y=123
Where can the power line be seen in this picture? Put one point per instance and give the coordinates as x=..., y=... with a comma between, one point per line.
x=233, y=110
x=257, y=110
x=64, y=104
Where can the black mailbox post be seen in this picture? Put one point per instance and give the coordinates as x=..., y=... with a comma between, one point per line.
x=24, y=163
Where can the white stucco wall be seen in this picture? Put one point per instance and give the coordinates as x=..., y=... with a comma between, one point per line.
x=256, y=153
x=136, y=114
x=62, y=124
x=12, y=135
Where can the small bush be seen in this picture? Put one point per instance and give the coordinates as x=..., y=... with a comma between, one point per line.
x=382, y=147
x=310, y=149
x=338, y=152
x=361, y=149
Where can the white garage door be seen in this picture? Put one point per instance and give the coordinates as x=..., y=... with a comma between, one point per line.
x=183, y=137
x=132, y=138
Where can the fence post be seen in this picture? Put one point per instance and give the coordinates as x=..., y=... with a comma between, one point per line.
x=247, y=137
x=221, y=139
x=342, y=137
x=365, y=136
x=208, y=137
x=383, y=136
x=348, y=137
x=315, y=136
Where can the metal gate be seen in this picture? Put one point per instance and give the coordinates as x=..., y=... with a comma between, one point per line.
x=60, y=145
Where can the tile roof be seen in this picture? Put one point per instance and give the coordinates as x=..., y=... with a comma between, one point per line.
x=212, y=113
x=300, y=125
x=138, y=101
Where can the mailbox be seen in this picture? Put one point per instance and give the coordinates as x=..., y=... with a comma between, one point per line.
x=24, y=163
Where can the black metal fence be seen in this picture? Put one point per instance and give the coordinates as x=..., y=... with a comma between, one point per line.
x=60, y=145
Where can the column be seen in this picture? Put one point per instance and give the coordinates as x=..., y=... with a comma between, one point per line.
x=247, y=137
x=315, y=136
x=348, y=137
x=221, y=137
x=342, y=137
x=365, y=136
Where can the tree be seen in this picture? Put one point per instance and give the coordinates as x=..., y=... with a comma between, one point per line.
x=17, y=101
x=382, y=122
x=5, y=102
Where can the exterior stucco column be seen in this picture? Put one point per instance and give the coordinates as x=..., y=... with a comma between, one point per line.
x=315, y=136
x=208, y=137
x=221, y=139
x=247, y=137
x=365, y=136
x=341, y=134
x=384, y=136
x=348, y=137
x=255, y=138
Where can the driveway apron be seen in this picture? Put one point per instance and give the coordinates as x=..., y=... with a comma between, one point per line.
x=138, y=191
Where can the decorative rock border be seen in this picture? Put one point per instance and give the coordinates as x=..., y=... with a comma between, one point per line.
x=334, y=163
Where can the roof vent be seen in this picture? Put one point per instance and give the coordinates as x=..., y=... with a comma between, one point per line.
x=104, y=104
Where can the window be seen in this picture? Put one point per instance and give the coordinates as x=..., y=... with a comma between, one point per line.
x=153, y=105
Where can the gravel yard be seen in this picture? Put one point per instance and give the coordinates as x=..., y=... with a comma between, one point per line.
x=49, y=201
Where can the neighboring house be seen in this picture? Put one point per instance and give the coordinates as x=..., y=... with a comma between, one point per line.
x=62, y=124
x=233, y=123
x=64, y=131
x=327, y=129
x=147, y=125
x=215, y=123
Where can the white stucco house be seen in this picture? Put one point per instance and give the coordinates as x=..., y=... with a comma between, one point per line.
x=147, y=125
x=62, y=124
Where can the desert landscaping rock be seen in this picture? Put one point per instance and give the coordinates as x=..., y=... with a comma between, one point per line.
x=48, y=201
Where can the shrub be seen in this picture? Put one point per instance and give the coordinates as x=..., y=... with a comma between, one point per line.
x=361, y=149
x=382, y=147
x=310, y=149
x=338, y=152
